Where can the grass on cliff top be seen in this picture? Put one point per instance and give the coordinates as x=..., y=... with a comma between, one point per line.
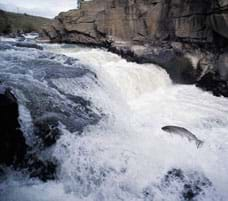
x=14, y=22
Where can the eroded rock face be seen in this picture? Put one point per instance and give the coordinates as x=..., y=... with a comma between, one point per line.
x=168, y=31
x=100, y=21
x=184, y=64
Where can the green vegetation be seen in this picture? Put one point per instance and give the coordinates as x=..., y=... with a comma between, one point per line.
x=14, y=23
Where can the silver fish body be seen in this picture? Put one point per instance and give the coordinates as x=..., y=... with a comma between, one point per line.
x=183, y=132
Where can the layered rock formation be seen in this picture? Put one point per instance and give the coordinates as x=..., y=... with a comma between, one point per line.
x=166, y=32
x=99, y=21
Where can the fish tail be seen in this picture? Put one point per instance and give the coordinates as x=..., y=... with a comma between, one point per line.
x=199, y=143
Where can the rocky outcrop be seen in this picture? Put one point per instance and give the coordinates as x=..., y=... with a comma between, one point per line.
x=211, y=81
x=188, y=185
x=169, y=33
x=183, y=63
x=14, y=152
x=144, y=21
x=29, y=45
x=12, y=142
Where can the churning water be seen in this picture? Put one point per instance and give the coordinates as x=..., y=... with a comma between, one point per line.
x=121, y=153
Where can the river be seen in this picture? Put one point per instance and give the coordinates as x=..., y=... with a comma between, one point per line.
x=115, y=149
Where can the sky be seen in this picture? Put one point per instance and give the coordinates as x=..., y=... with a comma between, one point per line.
x=45, y=8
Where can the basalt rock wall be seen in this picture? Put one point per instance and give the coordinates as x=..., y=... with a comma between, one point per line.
x=188, y=38
x=143, y=21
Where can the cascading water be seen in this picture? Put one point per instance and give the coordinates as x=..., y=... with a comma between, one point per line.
x=121, y=152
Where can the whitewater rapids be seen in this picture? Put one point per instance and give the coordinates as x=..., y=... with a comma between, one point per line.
x=126, y=153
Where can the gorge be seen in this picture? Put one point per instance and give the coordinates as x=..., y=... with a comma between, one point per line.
x=166, y=32
x=82, y=116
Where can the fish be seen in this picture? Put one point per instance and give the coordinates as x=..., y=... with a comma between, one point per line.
x=183, y=132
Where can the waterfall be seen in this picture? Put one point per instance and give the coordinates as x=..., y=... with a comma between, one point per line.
x=124, y=155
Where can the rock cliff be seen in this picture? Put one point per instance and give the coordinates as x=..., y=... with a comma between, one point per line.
x=186, y=37
x=143, y=21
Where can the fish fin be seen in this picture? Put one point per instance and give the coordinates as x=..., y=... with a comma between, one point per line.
x=199, y=143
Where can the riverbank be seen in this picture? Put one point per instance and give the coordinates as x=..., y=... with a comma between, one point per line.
x=12, y=24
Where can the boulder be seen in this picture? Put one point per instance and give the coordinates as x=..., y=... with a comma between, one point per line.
x=28, y=45
x=193, y=184
x=46, y=129
x=39, y=168
x=13, y=148
x=12, y=142
x=211, y=81
x=186, y=185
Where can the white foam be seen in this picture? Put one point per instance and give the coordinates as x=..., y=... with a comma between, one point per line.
x=127, y=151
x=26, y=124
x=8, y=39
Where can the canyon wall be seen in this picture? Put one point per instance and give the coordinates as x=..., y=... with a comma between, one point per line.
x=143, y=21
x=188, y=38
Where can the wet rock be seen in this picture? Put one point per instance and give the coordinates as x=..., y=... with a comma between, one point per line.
x=183, y=185
x=222, y=66
x=48, y=104
x=177, y=45
x=29, y=45
x=192, y=184
x=46, y=128
x=13, y=148
x=205, y=64
x=70, y=61
x=211, y=81
x=219, y=19
x=12, y=142
x=85, y=104
x=2, y=173
x=179, y=67
x=43, y=169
